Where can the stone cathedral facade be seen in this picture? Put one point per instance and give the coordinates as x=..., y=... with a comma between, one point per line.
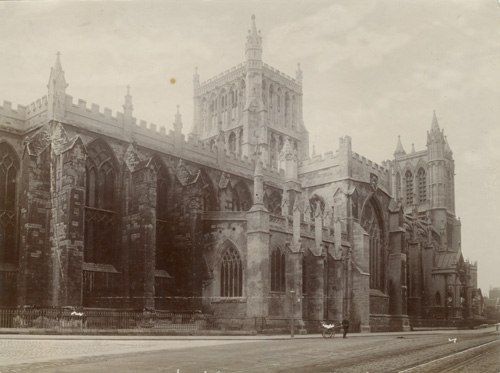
x=105, y=211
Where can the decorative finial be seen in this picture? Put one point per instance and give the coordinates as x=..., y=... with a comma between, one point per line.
x=128, y=89
x=253, y=17
x=298, y=73
x=58, y=54
x=178, y=121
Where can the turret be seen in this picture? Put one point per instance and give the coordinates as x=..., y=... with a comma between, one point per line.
x=255, y=132
x=253, y=47
x=253, y=53
x=436, y=165
x=56, y=90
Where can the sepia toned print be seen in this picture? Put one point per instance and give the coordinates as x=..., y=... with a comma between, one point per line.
x=228, y=221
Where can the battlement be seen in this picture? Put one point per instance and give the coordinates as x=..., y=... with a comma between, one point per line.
x=320, y=158
x=282, y=78
x=221, y=79
x=374, y=166
x=23, y=117
x=280, y=73
x=8, y=111
x=319, y=162
x=94, y=111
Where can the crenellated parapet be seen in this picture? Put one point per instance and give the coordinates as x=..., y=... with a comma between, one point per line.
x=369, y=164
x=12, y=119
x=23, y=118
x=221, y=80
x=281, y=78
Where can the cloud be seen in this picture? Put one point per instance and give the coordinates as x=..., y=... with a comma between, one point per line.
x=336, y=33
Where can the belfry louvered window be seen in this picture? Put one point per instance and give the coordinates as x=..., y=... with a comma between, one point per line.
x=409, y=188
x=422, y=186
x=231, y=274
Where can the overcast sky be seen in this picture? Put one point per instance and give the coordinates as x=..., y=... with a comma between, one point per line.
x=372, y=70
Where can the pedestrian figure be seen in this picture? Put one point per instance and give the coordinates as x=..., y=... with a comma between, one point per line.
x=345, y=326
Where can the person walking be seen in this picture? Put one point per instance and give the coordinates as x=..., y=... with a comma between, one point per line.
x=345, y=326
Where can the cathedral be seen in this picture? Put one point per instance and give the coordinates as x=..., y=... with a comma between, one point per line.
x=235, y=220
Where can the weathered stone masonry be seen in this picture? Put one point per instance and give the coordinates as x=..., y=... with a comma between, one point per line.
x=113, y=213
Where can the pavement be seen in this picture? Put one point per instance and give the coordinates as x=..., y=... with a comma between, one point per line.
x=16, y=349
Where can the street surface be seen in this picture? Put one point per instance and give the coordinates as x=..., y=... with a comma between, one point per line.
x=415, y=352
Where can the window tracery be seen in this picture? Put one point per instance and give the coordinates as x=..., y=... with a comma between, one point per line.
x=371, y=221
x=422, y=186
x=99, y=205
x=278, y=270
x=8, y=186
x=231, y=274
x=409, y=188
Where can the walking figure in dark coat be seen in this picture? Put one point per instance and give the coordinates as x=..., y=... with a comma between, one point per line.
x=345, y=326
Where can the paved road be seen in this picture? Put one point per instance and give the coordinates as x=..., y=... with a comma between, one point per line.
x=412, y=352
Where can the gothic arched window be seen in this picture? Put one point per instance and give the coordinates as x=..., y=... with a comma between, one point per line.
x=371, y=221
x=207, y=193
x=409, y=188
x=316, y=203
x=99, y=204
x=204, y=114
x=8, y=184
x=231, y=274
x=234, y=102
x=241, y=197
x=273, y=203
x=241, y=98
x=398, y=185
x=213, y=112
x=232, y=142
x=422, y=185
x=278, y=270
x=278, y=106
x=223, y=108
x=287, y=109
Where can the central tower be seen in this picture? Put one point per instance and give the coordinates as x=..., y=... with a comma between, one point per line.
x=251, y=105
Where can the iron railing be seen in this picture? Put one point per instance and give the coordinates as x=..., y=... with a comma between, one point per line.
x=157, y=321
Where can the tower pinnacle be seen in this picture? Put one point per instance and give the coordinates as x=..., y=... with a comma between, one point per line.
x=128, y=107
x=435, y=125
x=56, y=89
x=298, y=74
x=399, y=148
x=253, y=47
x=178, y=121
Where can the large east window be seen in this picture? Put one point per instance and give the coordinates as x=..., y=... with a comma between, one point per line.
x=99, y=205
